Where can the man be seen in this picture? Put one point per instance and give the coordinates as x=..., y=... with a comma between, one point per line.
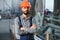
x=25, y=23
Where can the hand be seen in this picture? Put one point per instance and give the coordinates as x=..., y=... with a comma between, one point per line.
x=22, y=28
x=33, y=26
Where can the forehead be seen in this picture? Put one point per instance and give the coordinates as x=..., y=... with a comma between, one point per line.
x=25, y=8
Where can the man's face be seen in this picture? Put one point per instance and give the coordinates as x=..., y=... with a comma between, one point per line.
x=25, y=10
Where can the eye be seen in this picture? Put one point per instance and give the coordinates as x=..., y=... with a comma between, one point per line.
x=26, y=7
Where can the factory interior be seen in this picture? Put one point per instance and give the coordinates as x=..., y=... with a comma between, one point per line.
x=46, y=12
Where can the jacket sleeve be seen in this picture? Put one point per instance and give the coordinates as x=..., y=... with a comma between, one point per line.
x=16, y=27
x=32, y=30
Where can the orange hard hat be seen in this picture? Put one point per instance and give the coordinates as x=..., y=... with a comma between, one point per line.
x=25, y=4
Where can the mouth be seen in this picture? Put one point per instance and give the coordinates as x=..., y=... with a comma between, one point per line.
x=26, y=12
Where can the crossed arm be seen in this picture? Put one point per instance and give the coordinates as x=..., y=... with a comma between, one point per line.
x=32, y=29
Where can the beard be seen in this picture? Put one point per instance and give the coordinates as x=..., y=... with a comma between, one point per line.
x=27, y=13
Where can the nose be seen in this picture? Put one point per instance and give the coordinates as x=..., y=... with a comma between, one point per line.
x=26, y=8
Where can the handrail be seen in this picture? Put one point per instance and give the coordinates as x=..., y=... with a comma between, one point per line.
x=52, y=19
x=53, y=26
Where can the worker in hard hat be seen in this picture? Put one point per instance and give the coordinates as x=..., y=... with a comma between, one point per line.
x=26, y=23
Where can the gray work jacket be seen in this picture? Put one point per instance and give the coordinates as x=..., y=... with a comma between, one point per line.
x=26, y=24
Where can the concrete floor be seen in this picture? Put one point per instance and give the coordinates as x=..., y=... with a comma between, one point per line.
x=4, y=30
x=5, y=36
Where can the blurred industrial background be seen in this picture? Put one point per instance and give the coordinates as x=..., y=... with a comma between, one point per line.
x=47, y=14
